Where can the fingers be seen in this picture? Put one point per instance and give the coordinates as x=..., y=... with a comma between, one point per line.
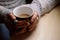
x=34, y=21
x=19, y=23
x=21, y=31
x=32, y=27
x=11, y=16
x=22, y=24
x=24, y=28
x=34, y=17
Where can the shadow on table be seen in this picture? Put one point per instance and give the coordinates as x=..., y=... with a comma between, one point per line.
x=22, y=36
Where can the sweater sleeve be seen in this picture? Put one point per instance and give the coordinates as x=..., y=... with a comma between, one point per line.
x=43, y=6
x=3, y=10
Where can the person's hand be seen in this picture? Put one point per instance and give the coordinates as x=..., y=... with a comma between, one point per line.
x=20, y=24
x=34, y=21
x=23, y=24
x=31, y=26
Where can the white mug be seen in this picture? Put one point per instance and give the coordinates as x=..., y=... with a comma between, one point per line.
x=23, y=10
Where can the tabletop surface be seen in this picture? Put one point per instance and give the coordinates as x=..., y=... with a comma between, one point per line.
x=48, y=28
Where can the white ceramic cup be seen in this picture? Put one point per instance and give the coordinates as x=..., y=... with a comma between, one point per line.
x=23, y=9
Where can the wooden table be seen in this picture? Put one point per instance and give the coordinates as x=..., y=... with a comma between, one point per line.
x=48, y=28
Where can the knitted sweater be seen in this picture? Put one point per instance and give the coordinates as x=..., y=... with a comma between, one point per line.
x=41, y=6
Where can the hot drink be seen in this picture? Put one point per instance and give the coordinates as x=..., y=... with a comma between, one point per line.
x=23, y=15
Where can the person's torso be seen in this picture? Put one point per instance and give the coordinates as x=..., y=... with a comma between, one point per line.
x=10, y=4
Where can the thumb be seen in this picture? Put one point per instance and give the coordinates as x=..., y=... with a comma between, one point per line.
x=34, y=16
x=11, y=16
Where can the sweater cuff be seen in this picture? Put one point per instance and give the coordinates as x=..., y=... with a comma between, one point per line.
x=36, y=8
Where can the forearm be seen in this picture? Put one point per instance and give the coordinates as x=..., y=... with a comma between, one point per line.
x=45, y=5
x=36, y=8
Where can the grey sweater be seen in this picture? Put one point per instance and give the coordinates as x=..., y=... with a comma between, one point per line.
x=41, y=6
